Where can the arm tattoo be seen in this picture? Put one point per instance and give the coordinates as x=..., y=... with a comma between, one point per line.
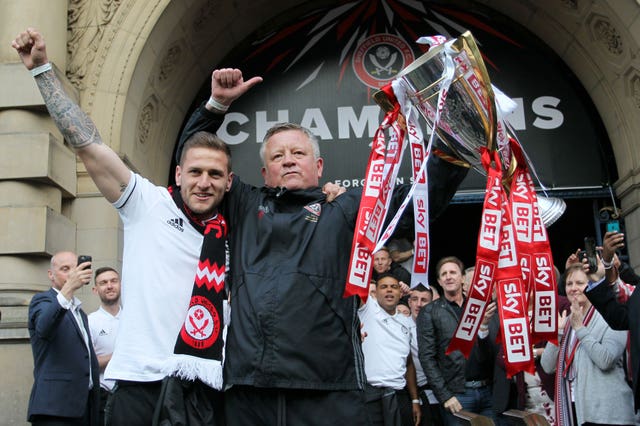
x=76, y=126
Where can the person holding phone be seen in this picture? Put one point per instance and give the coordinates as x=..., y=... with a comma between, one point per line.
x=66, y=373
x=589, y=374
x=617, y=301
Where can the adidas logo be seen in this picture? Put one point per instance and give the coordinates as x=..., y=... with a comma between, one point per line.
x=176, y=223
x=102, y=333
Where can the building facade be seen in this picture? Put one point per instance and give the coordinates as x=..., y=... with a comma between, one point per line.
x=136, y=67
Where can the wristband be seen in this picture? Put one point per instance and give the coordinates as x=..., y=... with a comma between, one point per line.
x=39, y=70
x=217, y=105
x=607, y=265
x=415, y=401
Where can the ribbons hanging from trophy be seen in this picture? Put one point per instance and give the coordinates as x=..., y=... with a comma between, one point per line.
x=375, y=199
x=382, y=169
x=450, y=88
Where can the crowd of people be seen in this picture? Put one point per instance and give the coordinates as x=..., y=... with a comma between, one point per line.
x=236, y=314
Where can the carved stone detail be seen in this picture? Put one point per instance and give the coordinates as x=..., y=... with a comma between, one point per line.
x=86, y=23
x=635, y=91
x=203, y=16
x=632, y=78
x=148, y=116
x=605, y=33
x=570, y=4
x=170, y=62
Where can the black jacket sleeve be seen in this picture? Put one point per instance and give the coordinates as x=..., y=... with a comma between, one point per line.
x=202, y=120
x=444, y=178
x=604, y=300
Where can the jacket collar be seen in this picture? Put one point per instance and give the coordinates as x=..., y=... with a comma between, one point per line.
x=282, y=193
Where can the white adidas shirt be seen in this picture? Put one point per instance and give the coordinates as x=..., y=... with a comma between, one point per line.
x=104, y=329
x=161, y=253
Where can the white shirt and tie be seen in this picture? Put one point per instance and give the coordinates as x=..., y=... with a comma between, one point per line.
x=73, y=305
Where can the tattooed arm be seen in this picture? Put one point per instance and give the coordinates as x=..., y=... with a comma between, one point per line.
x=107, y=170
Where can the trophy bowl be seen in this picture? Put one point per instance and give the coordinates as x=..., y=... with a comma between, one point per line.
x=468, y=116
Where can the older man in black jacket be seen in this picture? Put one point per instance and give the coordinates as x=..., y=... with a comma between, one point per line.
x=293, y=351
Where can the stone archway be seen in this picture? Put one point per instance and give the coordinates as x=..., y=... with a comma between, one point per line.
x=599, y=41
x=152, y=57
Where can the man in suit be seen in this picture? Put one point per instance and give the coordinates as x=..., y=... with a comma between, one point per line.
x=66, y=372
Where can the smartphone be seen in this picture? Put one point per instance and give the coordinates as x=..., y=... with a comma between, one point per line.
x=613, y=226
x=84, y=258
x=590, y=253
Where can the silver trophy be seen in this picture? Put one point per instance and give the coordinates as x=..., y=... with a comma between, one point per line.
x=468, y=118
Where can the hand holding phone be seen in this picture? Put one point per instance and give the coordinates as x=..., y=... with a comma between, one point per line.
x=613, y=226
x=590, y=254
x=82, y=259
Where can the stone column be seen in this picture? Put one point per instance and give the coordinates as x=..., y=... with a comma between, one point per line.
x=37, y=178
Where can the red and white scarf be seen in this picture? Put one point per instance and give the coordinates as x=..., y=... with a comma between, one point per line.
x=199, y=345
x=566, y=371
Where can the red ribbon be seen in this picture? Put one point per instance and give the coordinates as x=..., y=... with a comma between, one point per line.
x=487, y=256
x=377, y=191
x=534, y=251
x=512, y=301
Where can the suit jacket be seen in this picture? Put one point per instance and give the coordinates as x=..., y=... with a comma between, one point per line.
x=621, y=317
x=61, y=361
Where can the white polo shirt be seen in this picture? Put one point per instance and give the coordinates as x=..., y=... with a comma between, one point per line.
x=104, y=328
x=386, y=347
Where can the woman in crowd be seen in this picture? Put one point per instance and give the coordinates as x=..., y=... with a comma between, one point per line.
x=590, y=380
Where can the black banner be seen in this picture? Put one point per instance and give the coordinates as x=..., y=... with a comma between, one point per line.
x=322, y=65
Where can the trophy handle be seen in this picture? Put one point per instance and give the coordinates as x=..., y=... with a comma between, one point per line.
x=467, y=43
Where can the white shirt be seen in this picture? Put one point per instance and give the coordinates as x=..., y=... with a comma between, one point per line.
x=104, y=329
x=160, y=258
x=386, y=347
x=73, y=305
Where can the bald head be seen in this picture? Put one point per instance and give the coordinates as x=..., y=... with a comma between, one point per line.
x=61, y=264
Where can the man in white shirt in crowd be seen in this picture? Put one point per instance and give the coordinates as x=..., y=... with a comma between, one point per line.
x=387, y=361
x=103, y=324
x=421, y=296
